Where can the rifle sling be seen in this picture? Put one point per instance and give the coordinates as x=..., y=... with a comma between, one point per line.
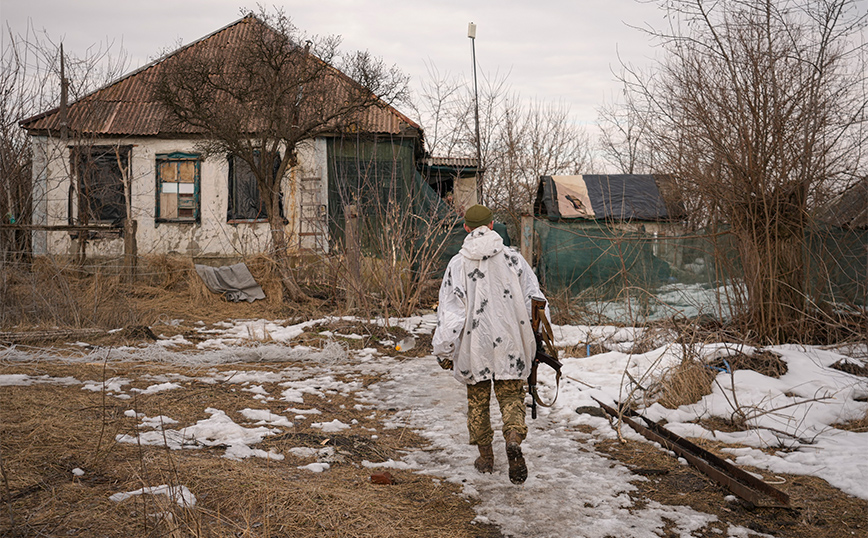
x=535, y=395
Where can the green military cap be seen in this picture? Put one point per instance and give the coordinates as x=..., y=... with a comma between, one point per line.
x=477, y=216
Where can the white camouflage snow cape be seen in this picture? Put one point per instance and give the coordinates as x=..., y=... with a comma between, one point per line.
x=483, y=321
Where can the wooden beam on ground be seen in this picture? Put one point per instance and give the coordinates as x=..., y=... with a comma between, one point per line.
x=63, y=227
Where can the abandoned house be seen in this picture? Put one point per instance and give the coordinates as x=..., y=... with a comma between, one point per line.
x=123, y=159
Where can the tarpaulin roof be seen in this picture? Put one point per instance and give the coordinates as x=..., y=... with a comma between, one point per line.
x=608, y=197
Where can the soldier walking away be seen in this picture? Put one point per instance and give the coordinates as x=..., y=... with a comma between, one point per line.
x=484, y=335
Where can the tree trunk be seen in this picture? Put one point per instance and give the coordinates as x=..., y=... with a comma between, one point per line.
x=772, y=249
x=281, y=257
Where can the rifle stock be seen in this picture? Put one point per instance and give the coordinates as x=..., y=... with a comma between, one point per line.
x=537, y=321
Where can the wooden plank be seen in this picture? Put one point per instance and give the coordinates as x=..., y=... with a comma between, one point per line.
x=527, y=238
x=29, y=336
x=187, y=172
x=168, y=205
x=62, y=227
x=168, y=171
x=718, y=462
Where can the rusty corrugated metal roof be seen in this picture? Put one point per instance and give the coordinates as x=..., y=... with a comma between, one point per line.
x=127, y=107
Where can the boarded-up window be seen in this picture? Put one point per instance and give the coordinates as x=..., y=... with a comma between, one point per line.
x=178, y=187
x=101, y=170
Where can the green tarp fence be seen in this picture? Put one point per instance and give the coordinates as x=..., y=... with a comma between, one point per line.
x=649, y=276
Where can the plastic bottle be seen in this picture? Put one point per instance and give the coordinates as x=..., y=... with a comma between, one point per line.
x=407, y=343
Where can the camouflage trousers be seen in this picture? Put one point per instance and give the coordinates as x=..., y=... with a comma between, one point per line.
x=510, y=396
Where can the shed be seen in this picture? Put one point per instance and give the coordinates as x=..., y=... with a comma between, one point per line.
x=454, y=177
x=607, y=231
x=611, y=198
x=849, y=209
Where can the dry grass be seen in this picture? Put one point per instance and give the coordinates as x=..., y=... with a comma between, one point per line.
x=55, y=293
x=186, y=290
x=851, y=367
x=763, y=362
x=685, y=384
x=566, y=308
x=49, y=430
x=856, y=426
x=581, y=350
x=692, y=379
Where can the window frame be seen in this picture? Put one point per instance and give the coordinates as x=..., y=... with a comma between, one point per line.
x=232, y=212
x=191, y=201
x=98, y=172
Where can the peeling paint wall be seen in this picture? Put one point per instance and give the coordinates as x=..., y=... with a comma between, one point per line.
x=212, y=236
x=464, y=193
x=312, y=177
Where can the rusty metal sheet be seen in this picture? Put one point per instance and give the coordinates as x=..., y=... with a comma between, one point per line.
x=128, y=106
x=738, y=481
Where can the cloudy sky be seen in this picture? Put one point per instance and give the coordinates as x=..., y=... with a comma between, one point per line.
x=553, y=50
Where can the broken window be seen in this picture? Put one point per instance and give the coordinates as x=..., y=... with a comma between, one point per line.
x=245, y=200
x=101, y=172
x=178, y=187
x=370, y=183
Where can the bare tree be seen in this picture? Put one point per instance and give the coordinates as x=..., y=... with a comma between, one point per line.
x=278, y=88
x=623, y=136
x=758, y=107
x=533, y=139
x=520, y=140
x=448, y=114
x=31, y=81
x=15, y=154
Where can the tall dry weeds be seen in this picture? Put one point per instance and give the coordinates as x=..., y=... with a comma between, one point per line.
x=55, y=293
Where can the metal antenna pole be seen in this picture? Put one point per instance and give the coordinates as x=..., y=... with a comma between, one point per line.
x=471, y=33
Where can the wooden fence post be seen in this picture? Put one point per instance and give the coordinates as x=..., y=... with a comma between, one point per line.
x=527, y=236
x=131, y=249
x=352, y=250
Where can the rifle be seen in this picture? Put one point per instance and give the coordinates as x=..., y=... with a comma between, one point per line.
x=545, y=352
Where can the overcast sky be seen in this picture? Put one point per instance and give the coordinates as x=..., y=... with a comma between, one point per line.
x=553, y=50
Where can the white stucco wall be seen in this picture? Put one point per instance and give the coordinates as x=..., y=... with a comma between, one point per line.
x=211, y=237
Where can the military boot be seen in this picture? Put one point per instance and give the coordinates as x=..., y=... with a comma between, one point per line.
x=485, y=462
x=517, y=466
